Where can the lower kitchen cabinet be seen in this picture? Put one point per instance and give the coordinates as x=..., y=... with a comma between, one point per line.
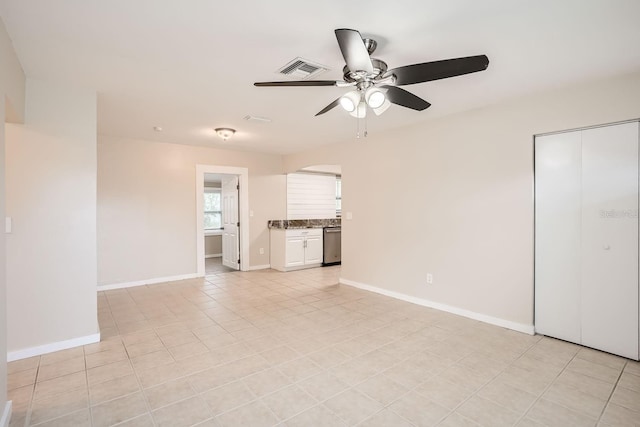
x=294, y=249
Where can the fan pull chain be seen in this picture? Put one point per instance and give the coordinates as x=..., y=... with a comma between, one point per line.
x=366, y=127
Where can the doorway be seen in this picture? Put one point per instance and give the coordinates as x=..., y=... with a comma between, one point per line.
x=229, y=219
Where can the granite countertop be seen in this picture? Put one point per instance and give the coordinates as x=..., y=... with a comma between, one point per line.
x=303, y=223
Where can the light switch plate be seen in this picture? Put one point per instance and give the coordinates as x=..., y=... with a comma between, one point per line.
x=7, y=225
x=349, y=215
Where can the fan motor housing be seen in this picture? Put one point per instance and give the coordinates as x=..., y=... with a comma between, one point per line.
x=379, y=68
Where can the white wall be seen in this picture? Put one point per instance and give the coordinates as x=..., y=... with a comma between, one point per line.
x=51, y=196
x=311, y=196
x=147, y=206
x=459, y=192
x=12, y=82
x=212, y=245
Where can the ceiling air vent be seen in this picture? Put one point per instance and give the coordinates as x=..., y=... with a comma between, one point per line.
x=302, y=68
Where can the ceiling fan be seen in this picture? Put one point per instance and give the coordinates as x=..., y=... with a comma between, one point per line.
x=375, y=85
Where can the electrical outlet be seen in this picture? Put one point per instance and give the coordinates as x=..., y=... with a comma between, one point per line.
x=429, y=279
x=261, y=251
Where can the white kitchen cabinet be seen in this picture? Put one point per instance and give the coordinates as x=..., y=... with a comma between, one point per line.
x=586, y=244
x=294, y=249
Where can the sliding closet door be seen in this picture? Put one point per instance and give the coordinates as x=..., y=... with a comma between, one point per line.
x=557, y=235
x=609, y=297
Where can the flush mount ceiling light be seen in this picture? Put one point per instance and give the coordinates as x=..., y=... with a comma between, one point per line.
x=225, y=133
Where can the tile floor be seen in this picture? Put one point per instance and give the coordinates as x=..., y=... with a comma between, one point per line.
x=296, y=349
x=214, y=266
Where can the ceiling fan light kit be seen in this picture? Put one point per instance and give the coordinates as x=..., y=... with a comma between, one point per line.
x=368, y=75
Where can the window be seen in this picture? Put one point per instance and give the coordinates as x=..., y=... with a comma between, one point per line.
x=212, y=209
x=338, y=196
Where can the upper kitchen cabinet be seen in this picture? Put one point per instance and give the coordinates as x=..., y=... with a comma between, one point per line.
x=311, y=196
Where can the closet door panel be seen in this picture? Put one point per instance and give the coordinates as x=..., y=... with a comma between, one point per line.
x=609, y=292
x=557, y=235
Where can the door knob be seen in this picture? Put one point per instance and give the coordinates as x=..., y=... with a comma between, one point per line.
x=606, y=247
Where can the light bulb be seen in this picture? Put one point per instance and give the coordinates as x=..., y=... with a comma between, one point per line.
x=375, y=97
x=350, y=100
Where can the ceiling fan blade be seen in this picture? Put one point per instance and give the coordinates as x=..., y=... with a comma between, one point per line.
x=298, y=83
x=354, y=51
x=428, y=71
x=329, y=107
x=399, y=96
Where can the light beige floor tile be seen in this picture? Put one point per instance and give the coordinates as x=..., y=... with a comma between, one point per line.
x=629, y=381
x=152, y=360
x=554, y=415
x=178, y=338
x=594, y=370
x=254, y=414
x=385, y=418
x=20, y=398
x=227, y=397
x=105, y=357
x=299, y=369
x=140, y=348
x=49, y=388
x=118, y=410
x=323, y=386
x=108, y=390
x=110, y=344
x=182, y=414
x=23, y=365
x=61, y=403
x=169, y=392
x=21, y=378
x=629, y=399
x=487, y=413
x=317, y=416
x=632, y=368
x=456, y=420
x=109, y=372
x=279, y=355
x=80, y=418
x=289, y=401
x=601, y=358
x=419, y=410
x=382, y=389
x=185, y=351
x=589, y=385
x=616, y=415
x=61, y=368
x=211, y=378
x=158, y=375
x=352, y=372
x=266, y=382
x=507, y=396
x=470, y=378
x=528, y=422
x=328, y=357
x=443, y=392
x=575, y=399
x=141, y=421
x=353, y=406
x=59, y=356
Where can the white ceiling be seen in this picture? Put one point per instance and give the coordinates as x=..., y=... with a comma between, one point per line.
x=189, y=66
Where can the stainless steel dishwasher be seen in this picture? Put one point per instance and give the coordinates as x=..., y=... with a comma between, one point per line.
x=332, y=238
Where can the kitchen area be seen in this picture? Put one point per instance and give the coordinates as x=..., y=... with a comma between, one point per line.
x=310, y=236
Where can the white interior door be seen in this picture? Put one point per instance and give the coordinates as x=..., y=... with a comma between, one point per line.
x=558, y=209
x=230, y=235
x=610, y=239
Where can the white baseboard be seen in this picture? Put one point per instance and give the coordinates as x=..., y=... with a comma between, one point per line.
x=213, y=256
x=50, y=348
x=146, y=282
x=520, y=327
x=260, y=267
x=5, y=417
